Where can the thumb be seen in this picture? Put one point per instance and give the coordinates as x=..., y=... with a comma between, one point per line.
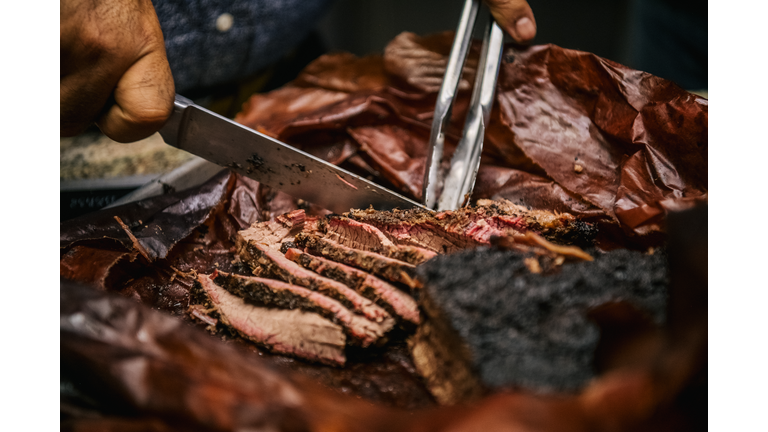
x=515, y=17
x=143, y=99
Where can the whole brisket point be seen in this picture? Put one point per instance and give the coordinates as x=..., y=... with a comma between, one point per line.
x=493, y=323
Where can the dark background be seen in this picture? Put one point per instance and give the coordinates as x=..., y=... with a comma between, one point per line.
x=365, y=26
x=668, y=38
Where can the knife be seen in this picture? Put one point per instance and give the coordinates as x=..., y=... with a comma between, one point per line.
x=201, y=132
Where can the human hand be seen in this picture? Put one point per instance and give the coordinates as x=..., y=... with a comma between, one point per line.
x=113, y=69
x=514, y=17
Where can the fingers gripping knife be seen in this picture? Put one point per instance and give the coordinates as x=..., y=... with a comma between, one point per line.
x=460, y=179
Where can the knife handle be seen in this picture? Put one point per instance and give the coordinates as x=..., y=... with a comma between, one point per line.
x=171, y=128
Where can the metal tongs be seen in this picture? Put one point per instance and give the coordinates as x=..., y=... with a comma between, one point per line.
x=460, y=179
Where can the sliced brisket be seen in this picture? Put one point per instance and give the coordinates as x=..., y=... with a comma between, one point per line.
x=562, y=228
x=468, y=227
x=289, y=331
x=414, y=227
x=396, y=302
x=270, y=292
x=359, y=235
x=266, y=261
x=388, y=268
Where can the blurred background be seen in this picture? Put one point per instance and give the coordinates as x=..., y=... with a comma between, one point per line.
x=365, y=26
x=667, y=38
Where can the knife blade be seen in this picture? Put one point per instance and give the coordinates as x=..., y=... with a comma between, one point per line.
x=210, y=136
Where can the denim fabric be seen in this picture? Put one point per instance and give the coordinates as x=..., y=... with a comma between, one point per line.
x=263, y=31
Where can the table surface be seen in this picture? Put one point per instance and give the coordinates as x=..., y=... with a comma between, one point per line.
x=92, y=155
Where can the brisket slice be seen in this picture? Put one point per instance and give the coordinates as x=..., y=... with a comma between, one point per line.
x=505, y=215
x=267, y=261
x=296, y=332
x=359, y=235
x=273, y=233
x=388, y=268
x=396, y=302
x=415, y=227
x=270, y=292
x=490, y=323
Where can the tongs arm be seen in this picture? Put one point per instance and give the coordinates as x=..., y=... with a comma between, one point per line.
x=445, y=97
x=465, y=163
x=466, y=159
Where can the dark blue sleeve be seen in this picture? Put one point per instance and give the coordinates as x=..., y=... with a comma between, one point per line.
x=262, y=31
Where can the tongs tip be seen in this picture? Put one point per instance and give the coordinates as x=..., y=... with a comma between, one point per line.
x=466, y=159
